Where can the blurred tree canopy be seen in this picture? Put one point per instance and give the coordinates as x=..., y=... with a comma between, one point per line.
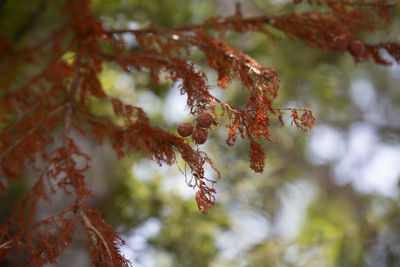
x=327, y=198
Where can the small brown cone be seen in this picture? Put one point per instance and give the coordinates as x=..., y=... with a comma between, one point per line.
x=357, y=48
x=185, y=129
x=199, y=136
x=341, y=42
x=205, y=120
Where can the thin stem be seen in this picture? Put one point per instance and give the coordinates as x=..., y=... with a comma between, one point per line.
x=92, y=228
x=191, y=27
x=32, y=130
x=230, y=21
x=104, y=123
x=6, y=244
x=72, y=97
x=59, y=213
x=373, y=4
x=11, y=127
x=75, y=83
x=225, y=105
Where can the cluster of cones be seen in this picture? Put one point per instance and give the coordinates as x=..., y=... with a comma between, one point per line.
x=199, y=131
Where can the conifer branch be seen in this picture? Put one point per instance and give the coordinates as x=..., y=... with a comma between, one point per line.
x=226, y=105
x=52, y=113
x=372, y=4
x=104, y=123
x=9, y=243
x=88, y=224
x=57, y=214
x=72, y=97
x=232, y=21
x=76, y=79
x=212, y=23
x=250, y=63
x=12, y=126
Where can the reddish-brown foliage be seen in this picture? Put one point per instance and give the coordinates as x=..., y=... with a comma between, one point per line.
x=57, y=100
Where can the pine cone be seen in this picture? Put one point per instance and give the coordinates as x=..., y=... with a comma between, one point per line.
x=185, y=129
x=340, y=43
x=199, y=136
x=357, y=48
x=205, y=120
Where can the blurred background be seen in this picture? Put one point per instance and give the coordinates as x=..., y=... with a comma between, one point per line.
x=329, y=197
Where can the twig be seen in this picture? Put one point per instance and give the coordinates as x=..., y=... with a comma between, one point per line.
x=72, y=98
x=160, y=60
x=226, y=105
x=6, y=244
x=247, y=61
x=90, y=226
x=230, y=21
x=11, y=127
x=78, y=208
x=191, y=27
x=32, y=130
x=59, y=213
x=373, y=4
x=104, y=123
x=75, y=83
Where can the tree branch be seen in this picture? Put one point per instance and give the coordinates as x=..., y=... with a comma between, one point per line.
x=75, y=83
x=72, y=97
x=59, y=213
x=92, y=228
x=230, y=21
x=32, y=130
x=104, y=123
